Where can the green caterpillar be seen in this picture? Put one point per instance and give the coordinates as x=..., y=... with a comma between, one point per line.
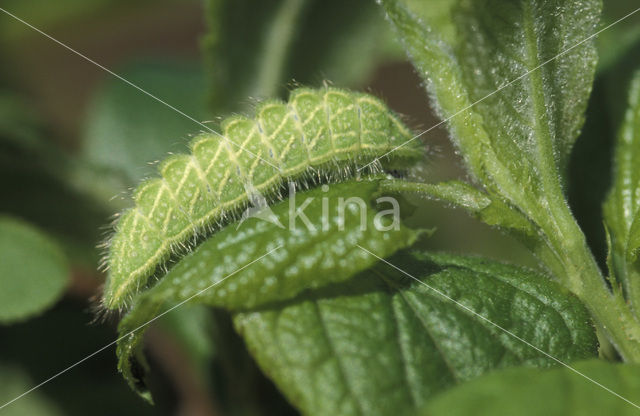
x=323, y=132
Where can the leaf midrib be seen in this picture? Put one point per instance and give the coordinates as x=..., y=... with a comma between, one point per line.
x=426, y=326
x=545, y=159
x=550, y=209
x=405, y=365
x=341, y=369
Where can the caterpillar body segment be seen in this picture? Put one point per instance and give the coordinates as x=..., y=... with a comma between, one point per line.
x=328, y=132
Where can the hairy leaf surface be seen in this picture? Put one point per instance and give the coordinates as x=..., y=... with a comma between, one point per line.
x=383, y=343
x=515, y=82
x=531, y=392
x=301, y=258
x=513, y=86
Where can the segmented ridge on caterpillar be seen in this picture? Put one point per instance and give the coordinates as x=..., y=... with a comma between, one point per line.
x=324, y=161
x=312, y=179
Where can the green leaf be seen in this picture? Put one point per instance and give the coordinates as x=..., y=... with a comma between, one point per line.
x=308, y=258
x=543, y=112
x=126, y=130
x=515, y=102
x=33, y=271
x=622, y=208
x=437, y=65
x=439, y=15
x=14, y=383
x=531, y=392
x=384, y=343
x=513, y=86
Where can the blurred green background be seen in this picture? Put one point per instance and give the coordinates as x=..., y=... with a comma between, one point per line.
x=74, y=140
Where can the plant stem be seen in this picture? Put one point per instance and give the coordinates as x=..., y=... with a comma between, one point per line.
x=632, y=276
x=582, y=275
